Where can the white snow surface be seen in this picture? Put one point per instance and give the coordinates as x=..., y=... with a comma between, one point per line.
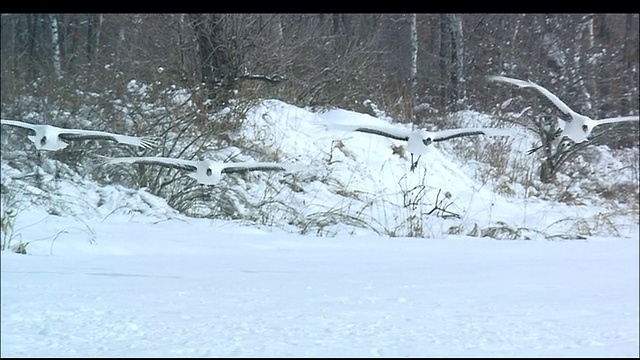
x=214, y=288
x=115, y=272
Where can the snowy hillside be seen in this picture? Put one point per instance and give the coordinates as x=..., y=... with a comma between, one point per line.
x=347, y=181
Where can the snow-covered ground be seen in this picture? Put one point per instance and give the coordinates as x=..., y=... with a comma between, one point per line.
x=352, y=255
x=221, y=289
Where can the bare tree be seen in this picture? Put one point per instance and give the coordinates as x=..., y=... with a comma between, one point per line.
x=215, y=60
x=457, y=61
x=631, y=55
x=55, y=45
x=444, y=69
x=414, y=58
x=32, y=35
x=451, y=61
x=93, y=36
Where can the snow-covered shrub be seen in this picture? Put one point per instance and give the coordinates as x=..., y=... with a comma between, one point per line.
x=346, y=181
x=9, y=238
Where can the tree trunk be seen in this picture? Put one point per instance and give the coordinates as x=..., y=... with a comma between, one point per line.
x=55, y=43
x=279, y=35
x=457, y=61
x=591, y=33
x=73, y=32
x=578, y=61
x=547, y=173
x=215, y=61
x=90, y=36
x=451, y=72
x=96, y=45
x=630, y=51
x=31, y=47
x=94, y=25
x=444, y=70
x=335, y=21
x=414, y=60
x=603, y=28
x=183, y=45
x=19, y=41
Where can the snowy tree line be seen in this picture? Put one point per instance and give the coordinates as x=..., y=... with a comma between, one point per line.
x=319, y=53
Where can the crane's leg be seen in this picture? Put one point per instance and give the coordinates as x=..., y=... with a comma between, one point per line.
x=414, y=164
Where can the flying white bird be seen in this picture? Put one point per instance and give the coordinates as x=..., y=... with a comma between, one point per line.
x=576, y=127
x=419, y=140
x=206, y=172
x=47, y=137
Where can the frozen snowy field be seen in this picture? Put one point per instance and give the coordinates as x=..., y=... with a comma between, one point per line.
x=215, y=288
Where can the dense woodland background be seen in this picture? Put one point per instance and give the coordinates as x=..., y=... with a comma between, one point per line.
x=417, y=68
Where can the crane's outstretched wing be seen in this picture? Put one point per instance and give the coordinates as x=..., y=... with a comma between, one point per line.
x=456, y=133
x=252, y=166
x=564, y=108
x=77, y=134
x=386, y=131
x=173, y=163
x=19, y=123
x=618, y=119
